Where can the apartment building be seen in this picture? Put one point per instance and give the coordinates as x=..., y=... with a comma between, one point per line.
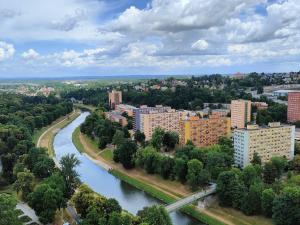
x=116, y=117
x=204, y=132
x=125, y=108
x=114, y=98
x=293, y=107
x=148, y=118
x=272, y=140
x=144, y=109
x=240, y=113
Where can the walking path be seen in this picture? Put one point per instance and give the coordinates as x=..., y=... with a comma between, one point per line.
x=28, y=212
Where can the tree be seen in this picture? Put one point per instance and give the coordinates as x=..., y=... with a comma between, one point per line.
x=157, y=138
x=194, y=173
x=229, y=189
x=180, y=169
x=8, y=214
x=170, y=139
x=44, y=167
x=45, y=200
x=269, y=173
x=103, y=141
x=286, y=207
x=68, y=164
x=126, y=152
x=267, y=199
x=256, y=159
x=118, y=138
x=280, y=164
x=296, y=163
x=250, y=176
x=155, y=215
x=24, y=183
x=139, y=136
x=252, y=200
x=166, y=168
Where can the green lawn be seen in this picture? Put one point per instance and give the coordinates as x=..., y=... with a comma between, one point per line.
x=76, y=141
x=107, y=154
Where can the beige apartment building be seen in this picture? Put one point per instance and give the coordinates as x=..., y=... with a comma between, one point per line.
x=240, y=113
x=204, y=132
x=273, y=140
x=114, y=98
x=167, y=119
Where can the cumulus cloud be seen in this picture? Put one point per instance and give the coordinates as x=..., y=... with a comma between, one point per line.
x=200, y=45
x=30, y=54
x=6, y=51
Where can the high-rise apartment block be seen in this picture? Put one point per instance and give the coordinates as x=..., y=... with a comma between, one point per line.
x=204, y=132
x=293, y=107
x=125, y=108
x=274, y=140
x=146, y=119
x=240, y=113
x=115, y=98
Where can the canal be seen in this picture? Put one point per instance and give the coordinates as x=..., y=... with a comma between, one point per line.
x=102, y=182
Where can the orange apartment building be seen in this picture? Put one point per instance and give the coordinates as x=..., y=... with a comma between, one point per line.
x=204, y=132
x=114, y=98
x=168, y=120
x=293, y=107
x=240, y=113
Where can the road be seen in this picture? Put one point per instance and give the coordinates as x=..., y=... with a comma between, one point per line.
x=190, y=199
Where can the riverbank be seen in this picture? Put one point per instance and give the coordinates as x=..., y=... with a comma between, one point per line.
x=164, y=190
x=44, y=138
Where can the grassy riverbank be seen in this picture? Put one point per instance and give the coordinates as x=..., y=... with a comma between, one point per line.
x=46, y=137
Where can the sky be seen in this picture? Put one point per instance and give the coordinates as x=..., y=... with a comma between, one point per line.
x=60, y=38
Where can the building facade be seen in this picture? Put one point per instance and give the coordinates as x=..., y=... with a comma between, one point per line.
x=274, y=140
x=204, y=132
x=148, y=118
x=240, y=113
x=293, y=107
x=116, y=117
x=114, y=98
x=125, y=108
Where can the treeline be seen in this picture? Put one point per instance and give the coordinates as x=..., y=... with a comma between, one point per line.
x=103, y=130
x=23, y=165
x=263, y=190
x=95, y=209
x=274, y=113
x=191, y=165
x=95, y=97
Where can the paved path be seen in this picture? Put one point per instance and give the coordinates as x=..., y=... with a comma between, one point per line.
x=28, y=212
x=98, y=162
x=190, y=199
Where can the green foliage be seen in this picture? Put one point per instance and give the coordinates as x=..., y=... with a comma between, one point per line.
x=230, y=189
x=118, y=138
x=8, y=214
x=252, y=200
x=286, y=207
x=275, y=112
x=126, y=152
x=155, y=215
x=256, y=159
x=68, y=164
x=195, y=177
x=139, y=136
x=24, y=183
x=267, y=199
x=47, y=197
x=170, y=140
x=157, y=138
x=180, y=170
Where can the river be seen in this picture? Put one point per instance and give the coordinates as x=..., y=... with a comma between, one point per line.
x=102, y=182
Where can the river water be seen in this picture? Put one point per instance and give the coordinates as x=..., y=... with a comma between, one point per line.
x=102, y=182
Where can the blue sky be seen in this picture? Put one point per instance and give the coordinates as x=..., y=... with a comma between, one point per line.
x=61, y=38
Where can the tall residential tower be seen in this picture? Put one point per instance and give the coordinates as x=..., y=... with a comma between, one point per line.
x=240, y=113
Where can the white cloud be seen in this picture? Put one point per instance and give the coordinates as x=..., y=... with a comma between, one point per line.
x=30, y=54
x=6, y=51
x=200, y=45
